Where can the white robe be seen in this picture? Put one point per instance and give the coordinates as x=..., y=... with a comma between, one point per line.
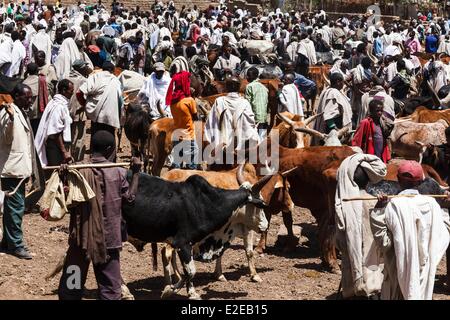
x=42, y=42
x=155, y=90
x=55, y=119
x=444, y=47
x=290, y=100
x=6, y=48
x=306, y=47
x=333, y=103
x=413, y=234
x=68, y=53
x=103, y=93
x=238, y=122
x=17, y=55
x=362, y=273
x=292, y=49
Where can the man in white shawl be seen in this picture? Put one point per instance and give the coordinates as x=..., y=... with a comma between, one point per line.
x=102, y=93
x=444, y=46
x=290, y=98
x=335, y=106
x=231, y=121
x=68, y=53
x=154, y=91
x=361, y=265
x=306, y=48
x=54, y=129
x=6, y=47
x=413, y=234
x=42, y=42
x=17, y=55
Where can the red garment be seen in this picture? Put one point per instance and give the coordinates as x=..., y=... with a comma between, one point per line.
x=42, y=92
x=195, y=34
x=179, y=87
x=364, y=139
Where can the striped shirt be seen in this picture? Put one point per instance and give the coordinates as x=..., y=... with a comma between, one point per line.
x=257, y=94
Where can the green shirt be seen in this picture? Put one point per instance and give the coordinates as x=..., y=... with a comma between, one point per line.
x=258, y=96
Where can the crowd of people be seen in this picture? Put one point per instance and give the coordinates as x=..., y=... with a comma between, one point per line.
x=62, y=63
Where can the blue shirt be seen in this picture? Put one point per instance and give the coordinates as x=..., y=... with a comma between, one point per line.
x=378, y=47
x=431, y=44
x=304, y=84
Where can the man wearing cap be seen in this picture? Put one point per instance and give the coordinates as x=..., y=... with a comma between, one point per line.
x=78, y=76
x=102, y=95
x=154, y=91
x=226, y=64
x=412, y=233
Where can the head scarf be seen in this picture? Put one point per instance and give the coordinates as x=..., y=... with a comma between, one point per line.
x=179, y=87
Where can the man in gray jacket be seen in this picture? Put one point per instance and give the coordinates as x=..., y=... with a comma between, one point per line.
x=17, y=161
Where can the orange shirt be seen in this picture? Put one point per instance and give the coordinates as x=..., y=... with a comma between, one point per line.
x=182, y=112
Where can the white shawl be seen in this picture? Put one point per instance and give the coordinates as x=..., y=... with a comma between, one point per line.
x=420, y=239
x=290, y=100
x=42, y=42
x=17, y=55
x=103, y=92
x=349, y=215
x=306, y=47
x=55, y=119
x=155, y=91
x=444, y=47
x=68, y=53
x=238, y=122
x=6, y=48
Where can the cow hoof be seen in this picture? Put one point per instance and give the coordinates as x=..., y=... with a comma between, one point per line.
x=194, y=296
x=256, y=278
x=167, y=292
x=221, y=278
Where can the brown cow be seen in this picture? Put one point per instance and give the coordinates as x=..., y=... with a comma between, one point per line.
x=425, y=115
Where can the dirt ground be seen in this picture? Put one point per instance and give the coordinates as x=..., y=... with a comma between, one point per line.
x=293, y=275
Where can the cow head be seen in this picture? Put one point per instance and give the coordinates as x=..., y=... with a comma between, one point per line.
x=254, y=196
x=293, y=135
x=332, y=139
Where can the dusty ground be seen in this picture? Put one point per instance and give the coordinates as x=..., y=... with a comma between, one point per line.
x=293, y=275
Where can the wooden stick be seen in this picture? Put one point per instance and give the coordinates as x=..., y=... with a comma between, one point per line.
x=132, y=90
x=395, y=196
x=91, y=165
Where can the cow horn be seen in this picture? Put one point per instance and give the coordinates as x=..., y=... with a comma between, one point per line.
x=311, y=132
x=343, y=131
x=288, y=172
x=161, y=110
x=240, y=174
x=286, y=119
x=434, y=95
x=444, y=187
x=311, y=119
x=203, y=109
x=256, y=188
x=420, y=143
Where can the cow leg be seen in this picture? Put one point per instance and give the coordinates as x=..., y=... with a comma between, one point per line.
x=218, y=274
x=169, y=259
x=158, y=164
x=185, y=254
x=248, y=244
x=261, y=247
x=292, y=240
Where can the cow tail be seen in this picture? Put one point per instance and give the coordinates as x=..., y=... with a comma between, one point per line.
x=155, y=255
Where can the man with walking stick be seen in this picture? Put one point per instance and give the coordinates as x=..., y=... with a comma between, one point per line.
x=412, y=232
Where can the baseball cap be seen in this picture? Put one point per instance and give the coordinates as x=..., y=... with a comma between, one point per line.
x=410, y=170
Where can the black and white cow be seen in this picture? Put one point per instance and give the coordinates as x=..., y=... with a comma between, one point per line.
x=182, y=214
